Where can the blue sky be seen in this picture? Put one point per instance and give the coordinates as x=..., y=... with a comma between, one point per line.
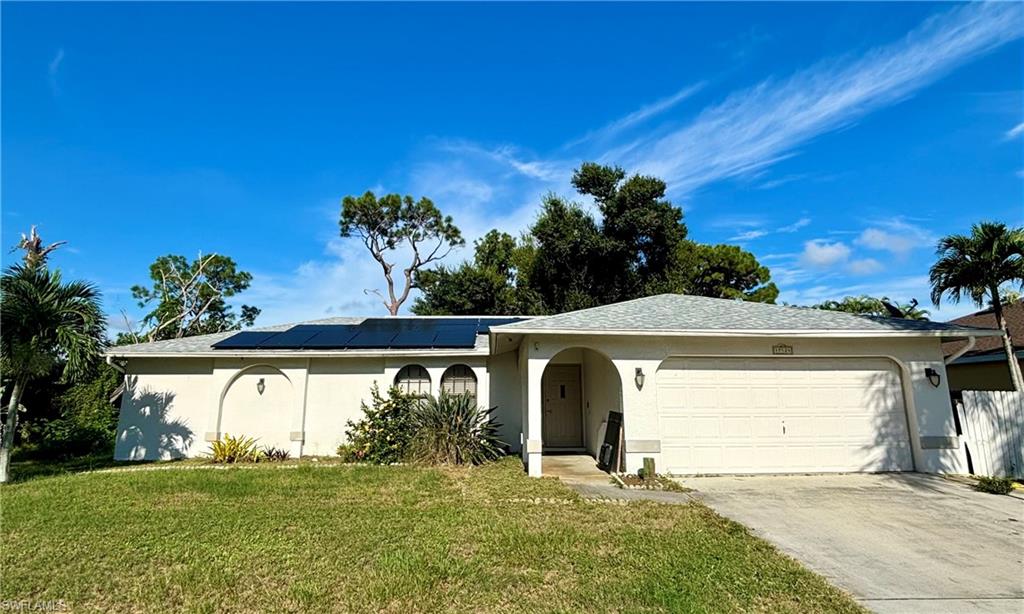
x=835, y=141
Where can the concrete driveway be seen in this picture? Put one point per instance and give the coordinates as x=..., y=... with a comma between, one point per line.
x=897, y=542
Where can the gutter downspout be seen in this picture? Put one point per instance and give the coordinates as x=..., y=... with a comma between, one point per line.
x=957, y=354
x=110, y=361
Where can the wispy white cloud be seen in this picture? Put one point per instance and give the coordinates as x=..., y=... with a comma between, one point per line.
x=637, y=117
x=797, y=225
x=756, y=127
x=53, y=68
x=1016, y=131
x=757, y=233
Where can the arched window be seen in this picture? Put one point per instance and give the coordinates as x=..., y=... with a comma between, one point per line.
x=459, y=379
x=413, y=379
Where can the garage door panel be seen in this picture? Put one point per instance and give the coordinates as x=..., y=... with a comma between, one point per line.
x=727, y=416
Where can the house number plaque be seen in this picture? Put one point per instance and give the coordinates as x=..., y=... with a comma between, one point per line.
x=782, y=349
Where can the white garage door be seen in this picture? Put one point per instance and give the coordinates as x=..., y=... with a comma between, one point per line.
x=765, y=415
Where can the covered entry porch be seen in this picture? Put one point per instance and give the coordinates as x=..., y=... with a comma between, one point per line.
x=569, y=397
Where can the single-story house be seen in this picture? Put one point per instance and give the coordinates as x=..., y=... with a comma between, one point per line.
x=983, y=366
x=701, y=385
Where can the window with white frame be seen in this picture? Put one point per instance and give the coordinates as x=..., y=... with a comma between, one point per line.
x=459, y=379
x=414, y=380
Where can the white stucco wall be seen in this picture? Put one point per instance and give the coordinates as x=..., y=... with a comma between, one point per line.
x=933, y=435
x=164, y=409
x=175, y=406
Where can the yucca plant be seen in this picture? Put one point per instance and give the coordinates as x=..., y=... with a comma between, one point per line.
x=230, y=449
x=452, y=429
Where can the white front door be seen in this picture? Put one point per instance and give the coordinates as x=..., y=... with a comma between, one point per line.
x=562, y=420
x=773, y=415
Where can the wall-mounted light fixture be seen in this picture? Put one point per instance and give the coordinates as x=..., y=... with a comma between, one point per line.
x=933, y=376
x=261, y=386
x=639, y=378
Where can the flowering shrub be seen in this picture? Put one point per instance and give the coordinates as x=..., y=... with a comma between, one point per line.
x=382, y=435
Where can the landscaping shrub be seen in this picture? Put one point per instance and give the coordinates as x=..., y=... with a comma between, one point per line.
x=71, y=420
x=271, y=453
x=230, y=449
x=382, y=435
x=994, y=485
x=453, y=429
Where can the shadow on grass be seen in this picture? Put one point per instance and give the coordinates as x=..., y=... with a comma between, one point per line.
x=33, y=469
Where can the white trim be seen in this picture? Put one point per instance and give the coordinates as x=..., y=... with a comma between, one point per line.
x=298, y=353
x=703, y=332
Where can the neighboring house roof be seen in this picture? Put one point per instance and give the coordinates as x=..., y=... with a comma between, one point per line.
x=683, y=314
x=990, y=348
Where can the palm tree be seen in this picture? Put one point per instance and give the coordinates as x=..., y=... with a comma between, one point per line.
x=44, y=322
x=976, y=266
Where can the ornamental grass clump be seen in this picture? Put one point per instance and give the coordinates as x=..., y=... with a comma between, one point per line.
x=452, y=429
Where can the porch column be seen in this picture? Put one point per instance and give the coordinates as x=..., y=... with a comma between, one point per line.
x=534, y=416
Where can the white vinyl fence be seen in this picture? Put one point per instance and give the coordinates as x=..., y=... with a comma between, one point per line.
x=993, y=429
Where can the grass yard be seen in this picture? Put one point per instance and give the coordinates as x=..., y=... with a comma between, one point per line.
x=401, y=539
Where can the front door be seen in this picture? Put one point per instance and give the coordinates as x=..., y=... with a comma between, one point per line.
x=562, y=421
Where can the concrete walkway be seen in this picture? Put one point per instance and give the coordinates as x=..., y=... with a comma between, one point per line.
x=897, y=542
x=580, y=472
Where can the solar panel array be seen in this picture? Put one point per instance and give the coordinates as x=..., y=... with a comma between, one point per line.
x=371, y=333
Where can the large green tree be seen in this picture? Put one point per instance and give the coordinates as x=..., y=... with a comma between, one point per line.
x=491, y=284
x=392, y=223
x=569, y=260
x=46, y=323
x=190, y=298
x=721, y=271
x=976, y=266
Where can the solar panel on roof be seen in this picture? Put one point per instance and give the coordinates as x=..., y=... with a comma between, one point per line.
x=244, y=340
x=329, y=337
x=412, y=339
x=293, y=338
x=456, y=334
x=372, y=333
x=373, y=338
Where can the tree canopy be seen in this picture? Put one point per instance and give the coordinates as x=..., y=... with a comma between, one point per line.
x=47, y=324
x=190, y=298
x=392, y=222
x=871, y=306
x=569, y=260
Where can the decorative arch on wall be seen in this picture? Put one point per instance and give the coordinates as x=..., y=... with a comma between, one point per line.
x=279, y=414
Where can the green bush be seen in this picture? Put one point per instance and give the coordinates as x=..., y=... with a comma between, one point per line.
x=382, y=435
x=230, y=449
x=270, y=453
x=453, y=429
x=76, y=421
x=994, y=485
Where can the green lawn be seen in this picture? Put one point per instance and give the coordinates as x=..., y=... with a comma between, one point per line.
x=400, y=539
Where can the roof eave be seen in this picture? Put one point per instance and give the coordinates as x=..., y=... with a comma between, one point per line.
x=952, y=334
x=300, y=353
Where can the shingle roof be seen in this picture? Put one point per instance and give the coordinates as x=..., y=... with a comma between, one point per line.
x=202, y=344
x=1013, y=314
x=682, y=313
